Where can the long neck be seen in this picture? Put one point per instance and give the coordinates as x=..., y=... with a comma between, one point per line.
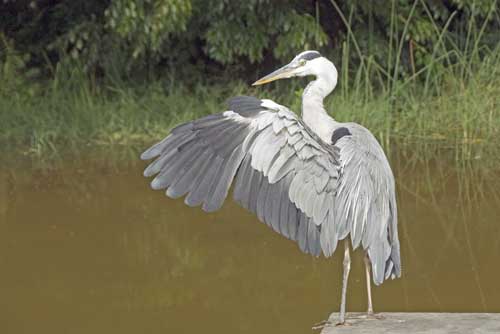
x=313, y=111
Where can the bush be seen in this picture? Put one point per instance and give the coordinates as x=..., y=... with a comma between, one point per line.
x=147, y=38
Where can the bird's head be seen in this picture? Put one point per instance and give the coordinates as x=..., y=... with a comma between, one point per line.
x=305, y=63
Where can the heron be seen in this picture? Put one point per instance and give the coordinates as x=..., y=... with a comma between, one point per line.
x=312, y=179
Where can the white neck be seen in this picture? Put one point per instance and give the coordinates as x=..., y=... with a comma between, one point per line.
x=313, y=111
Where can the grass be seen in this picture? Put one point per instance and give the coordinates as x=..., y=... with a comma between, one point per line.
x=451, y=106
x=70, y=112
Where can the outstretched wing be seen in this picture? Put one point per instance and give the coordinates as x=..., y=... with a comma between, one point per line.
x=284, y=173
x=365, y=205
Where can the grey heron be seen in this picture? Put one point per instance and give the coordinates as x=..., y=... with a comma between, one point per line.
x=314, y=180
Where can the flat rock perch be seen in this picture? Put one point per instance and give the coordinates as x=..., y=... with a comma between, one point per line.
x=421, y=323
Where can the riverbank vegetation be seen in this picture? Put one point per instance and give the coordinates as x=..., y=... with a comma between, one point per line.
x=422, y=77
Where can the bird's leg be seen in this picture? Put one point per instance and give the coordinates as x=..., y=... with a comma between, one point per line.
x=368, y=284
x=347, y=268
x=370, y=313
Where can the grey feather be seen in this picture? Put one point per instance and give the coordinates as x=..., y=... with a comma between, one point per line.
x=186, y=127
x=158, y=164
x=243, y=182
x=184, y=140
x=213, y=134
x=296, y=187
x=272, y=153
x=261, y=200
x=207, y=121
x=248, y=182
x=310, y=197
x=185, y=177
x=229, y=143
x=167, y=174
x=292, y=129
x=329, y=236
x=170, y=142
x=278, y=125
x=320, y=208
x=320, y=181
x=273, y=206
x=292, y=140
x=255, y=190
x=245, y=105
x=257, y=152
x=282, y=165
x=308, y=191
x=280, y=210
x=299, y=145
x=194, y=198
x=268, y=204
x=200, y=193
x=305, y=152
x=313, y=241
x=286, y=206
x=293, y=221
x=250, y=139
x=302, y=232
x=364, y=196
x=156, y=149
x=222, y=183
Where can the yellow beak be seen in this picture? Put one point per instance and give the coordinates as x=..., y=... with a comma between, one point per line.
x=282, y=73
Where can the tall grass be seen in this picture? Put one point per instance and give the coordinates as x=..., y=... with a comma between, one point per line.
x=72, y=112
x=449, y=106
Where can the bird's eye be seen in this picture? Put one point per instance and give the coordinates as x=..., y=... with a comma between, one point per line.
x=302, y=62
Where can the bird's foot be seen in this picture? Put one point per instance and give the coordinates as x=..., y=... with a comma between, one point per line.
x=342, y=324
x=328, y=323
x=372, y=315
x=352, y=316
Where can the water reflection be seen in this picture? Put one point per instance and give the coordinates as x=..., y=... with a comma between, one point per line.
x=86, y=247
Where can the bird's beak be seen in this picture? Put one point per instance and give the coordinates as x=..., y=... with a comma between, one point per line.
x=285, y=72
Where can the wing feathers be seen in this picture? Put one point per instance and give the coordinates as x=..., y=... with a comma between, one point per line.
x=313, y=238
x=201, y=192
x=194, y=197
x=261, y=201
x=223, y=180
x=243, y=182
x=282, y=173
x=364, y=199
x=185, y=177
x=254, y=193
x=302, y=233
x=167, y=175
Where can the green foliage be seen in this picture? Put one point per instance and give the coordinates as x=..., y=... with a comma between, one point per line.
x=147, y=24
x=234, y=31
x=130, y=36
x=15, y=73
x=412, y=30
x=460, y=118
x=421, y=73
x=146, y=38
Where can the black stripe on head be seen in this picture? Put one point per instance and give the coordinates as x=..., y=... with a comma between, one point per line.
x=310, y=55
x=339, y=133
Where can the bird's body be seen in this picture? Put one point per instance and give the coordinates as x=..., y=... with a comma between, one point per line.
x=314, y=180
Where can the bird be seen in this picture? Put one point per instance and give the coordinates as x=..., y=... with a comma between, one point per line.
x=312, y=179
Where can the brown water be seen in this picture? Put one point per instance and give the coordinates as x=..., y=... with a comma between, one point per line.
x=87, y=247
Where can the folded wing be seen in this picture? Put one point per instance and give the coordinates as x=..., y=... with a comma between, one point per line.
x=365, y=204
